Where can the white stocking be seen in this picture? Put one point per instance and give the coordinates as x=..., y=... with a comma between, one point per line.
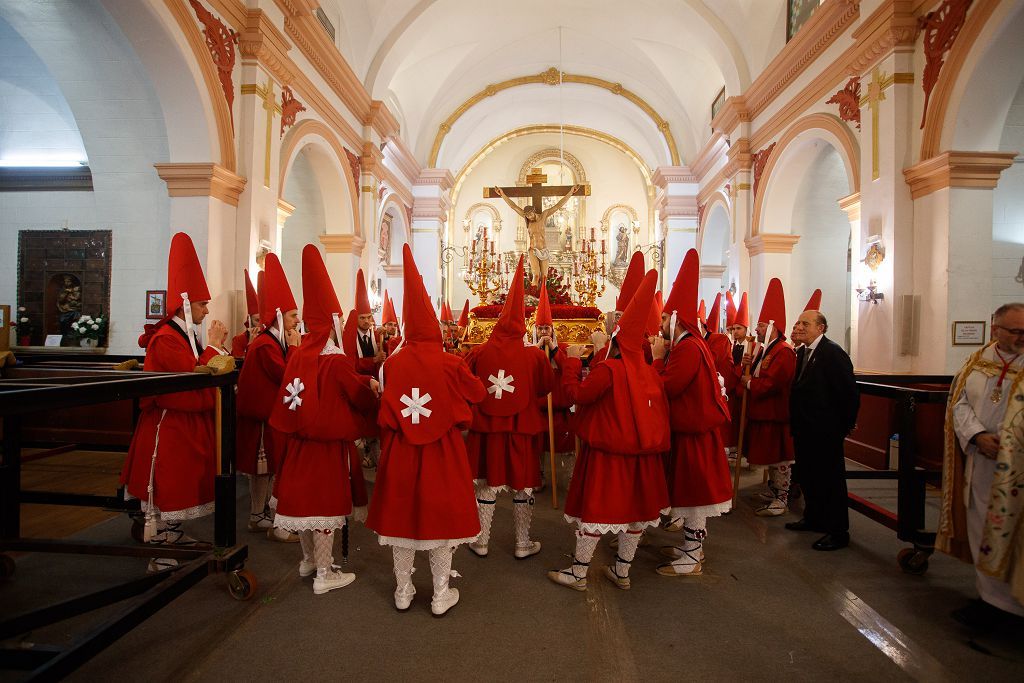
x=323, y=550
x=781, y=475
x=485, y=497
x=404, y=559
x=306, y=541
x=586, y=544
x=440, y=570
x=522, y=513
x=259, y=490
x=628, y=542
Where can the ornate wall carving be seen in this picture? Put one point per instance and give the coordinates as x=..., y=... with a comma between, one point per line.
x=221, y=42
x=941, y=28
x=290, y=108
x=848, y=100
x=760, y=159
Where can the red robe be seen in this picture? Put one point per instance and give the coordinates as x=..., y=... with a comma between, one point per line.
x=239, y=343
x=258, y=384
x=721, y=351
x=502, y=448
x=767, y=440
x=424, y=492
x=697, y=467
x=561, y=401
x=185, y=450
x=615, y=482
x=599, y=354
x=322, y=455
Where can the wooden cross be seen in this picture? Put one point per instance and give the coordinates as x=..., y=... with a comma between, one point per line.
x=536, y=190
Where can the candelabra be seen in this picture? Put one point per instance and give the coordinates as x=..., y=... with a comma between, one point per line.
x=589, y=271
x=485, y=270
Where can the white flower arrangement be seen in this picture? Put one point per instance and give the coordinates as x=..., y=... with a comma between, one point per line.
x=87, y=327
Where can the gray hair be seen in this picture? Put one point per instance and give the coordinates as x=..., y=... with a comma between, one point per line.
x=1006, y=308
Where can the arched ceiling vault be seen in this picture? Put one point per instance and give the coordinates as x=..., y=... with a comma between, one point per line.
x=428, y=57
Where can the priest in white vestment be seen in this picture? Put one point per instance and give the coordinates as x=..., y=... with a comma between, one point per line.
x=983, y=470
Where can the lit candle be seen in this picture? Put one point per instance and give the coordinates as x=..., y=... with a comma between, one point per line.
x=492, y=247
x=602, y=246
x=473, y=249
x=591, y=234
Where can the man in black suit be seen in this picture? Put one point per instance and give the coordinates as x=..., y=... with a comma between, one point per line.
x=823, y=410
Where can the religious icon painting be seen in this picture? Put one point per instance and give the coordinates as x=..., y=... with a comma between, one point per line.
x=156, y=304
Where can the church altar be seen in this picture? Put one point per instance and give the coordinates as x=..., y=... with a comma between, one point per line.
x=573, y=324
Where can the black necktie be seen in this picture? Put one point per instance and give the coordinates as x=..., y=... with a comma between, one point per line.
x=801, y=361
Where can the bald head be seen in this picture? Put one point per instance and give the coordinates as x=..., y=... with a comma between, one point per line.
x=808, y=327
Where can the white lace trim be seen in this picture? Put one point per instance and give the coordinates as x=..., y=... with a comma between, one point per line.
x=359, y=514
x=331, y=349
x=296, y=524
x=595, y=528
x=180, y=515
x=715, y=510
x=430, y=544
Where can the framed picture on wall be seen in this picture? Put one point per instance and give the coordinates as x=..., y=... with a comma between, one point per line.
x=156, y=304
x=969, y=333
x=716, y=106
x=797, y=14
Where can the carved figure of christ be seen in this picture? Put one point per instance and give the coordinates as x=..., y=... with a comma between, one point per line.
x=535, y=219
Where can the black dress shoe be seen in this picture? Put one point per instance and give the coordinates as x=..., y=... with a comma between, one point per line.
x=832, y=542
x=802, y=525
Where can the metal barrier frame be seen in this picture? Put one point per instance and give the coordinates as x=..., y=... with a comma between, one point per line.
x=144, y=596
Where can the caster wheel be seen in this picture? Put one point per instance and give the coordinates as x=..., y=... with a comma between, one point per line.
x=242, y=584
x=138, y=531
x=913, y=561
x=7, y=566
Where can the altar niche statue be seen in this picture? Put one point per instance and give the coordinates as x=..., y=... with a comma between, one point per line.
x=535, y=221
x=622, y=247
x=69, y=304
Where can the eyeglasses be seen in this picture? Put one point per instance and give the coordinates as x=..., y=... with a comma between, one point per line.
x=1014, y=332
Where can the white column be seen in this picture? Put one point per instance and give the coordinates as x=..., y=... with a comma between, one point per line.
x=678, y=216
x=342, y=257
x=770, y=256
x=431, y=202
x=851, y=205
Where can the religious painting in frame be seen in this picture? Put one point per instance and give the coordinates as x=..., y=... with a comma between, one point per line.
x=156, y=304
x=716, y=106
x=969, y=333
x=797, y=14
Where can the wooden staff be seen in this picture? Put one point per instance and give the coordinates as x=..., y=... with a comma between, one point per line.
x=551, y=446
x=743, y=429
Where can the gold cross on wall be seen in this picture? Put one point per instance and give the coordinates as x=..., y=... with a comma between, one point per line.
x=270, y=105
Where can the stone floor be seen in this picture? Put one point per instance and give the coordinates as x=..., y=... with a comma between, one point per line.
x=767, y=608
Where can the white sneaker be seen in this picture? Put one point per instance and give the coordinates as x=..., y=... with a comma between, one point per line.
x=307, y=568
x=441, y=603
x=772, y=509
x=403, y=597
x=331, y=580
x=524, y=551
x=276, y=533
x=477, y=549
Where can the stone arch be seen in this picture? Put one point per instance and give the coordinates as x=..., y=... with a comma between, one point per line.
x=825, y=127
x=310, y=132
x=489, y=209
x=607, y=215
x=399, y=227
x=713, y=247
x=977, y=82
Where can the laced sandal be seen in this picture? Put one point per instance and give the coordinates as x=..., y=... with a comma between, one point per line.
x=688, y=565
x=173, y=535
x=260, y=521
x=621, y=582
x=674, y=552
x=774, y=508
x=568, y=578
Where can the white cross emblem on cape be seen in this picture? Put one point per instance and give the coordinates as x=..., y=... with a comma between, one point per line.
x=416, y=405
x=500, y=384
x=292, y=400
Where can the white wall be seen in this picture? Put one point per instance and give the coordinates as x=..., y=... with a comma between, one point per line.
x=1008, y=213
x=820, y=257
x=305, y=225
x=122, y=129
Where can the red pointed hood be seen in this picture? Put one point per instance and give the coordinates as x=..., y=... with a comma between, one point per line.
x=702, y=313
x=814, y=303
x=730, y=310
x=415, y=375
x=464, y=316
x=743, y=313
x=184, y=274
x=389, y=315
x=714, y=320
x=252, y=302
x=634, y=274
x=654, y=322
x=773, y=309
x=319, y=307
x=362, y=300
x=185, y=280
x=276, y=294
x=511, y=325
x=349, y=343
x=645, y=397
x=446, y=313
x=544, y=307
x=682, y=300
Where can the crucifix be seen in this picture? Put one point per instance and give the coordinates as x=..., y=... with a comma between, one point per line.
x=270, y=105
x=535, y=214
